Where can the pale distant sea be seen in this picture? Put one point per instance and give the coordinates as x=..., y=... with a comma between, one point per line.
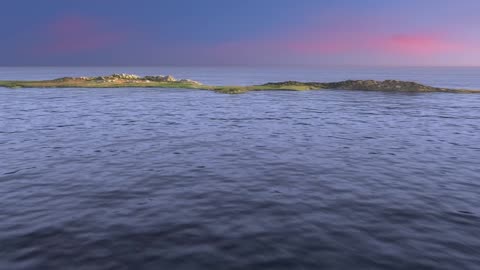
x=189, y=179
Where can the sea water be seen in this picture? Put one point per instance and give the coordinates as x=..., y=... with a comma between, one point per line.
x=189, y=179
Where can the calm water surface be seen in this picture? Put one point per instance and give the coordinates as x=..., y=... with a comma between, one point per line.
x=185, y=179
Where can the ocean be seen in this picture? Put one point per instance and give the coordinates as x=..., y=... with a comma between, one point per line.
x=189, y=179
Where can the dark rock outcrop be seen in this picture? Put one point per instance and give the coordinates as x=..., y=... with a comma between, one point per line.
x=387, y=85
x=366, y=85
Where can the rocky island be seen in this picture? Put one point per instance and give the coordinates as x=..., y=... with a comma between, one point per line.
x=130, y=81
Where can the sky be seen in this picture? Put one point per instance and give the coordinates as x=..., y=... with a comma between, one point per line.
x=240, y=32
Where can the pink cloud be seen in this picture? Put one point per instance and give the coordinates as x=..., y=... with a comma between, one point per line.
x=420, y=44
x=375, y=37
x=417, y=44
x=353, y=46
x=75, y=34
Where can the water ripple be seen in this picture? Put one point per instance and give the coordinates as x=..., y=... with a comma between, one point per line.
x=148, y=179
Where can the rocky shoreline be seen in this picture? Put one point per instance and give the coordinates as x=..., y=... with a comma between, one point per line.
x=168, y=81
x=123, y=77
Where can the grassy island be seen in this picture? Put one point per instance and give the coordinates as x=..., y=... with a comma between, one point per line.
x=129, y=81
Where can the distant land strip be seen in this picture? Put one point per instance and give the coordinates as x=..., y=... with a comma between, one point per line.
x=129, y=81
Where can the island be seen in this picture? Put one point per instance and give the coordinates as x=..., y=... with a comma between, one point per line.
x=130, y=81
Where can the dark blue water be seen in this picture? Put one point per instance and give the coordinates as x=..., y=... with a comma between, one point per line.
x=186, y=179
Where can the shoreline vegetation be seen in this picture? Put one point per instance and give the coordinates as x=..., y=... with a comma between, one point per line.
x=134, y=81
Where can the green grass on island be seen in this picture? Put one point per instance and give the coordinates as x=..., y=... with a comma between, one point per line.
x=133, y=81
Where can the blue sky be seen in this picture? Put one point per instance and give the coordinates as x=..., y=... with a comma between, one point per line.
x=247, y=32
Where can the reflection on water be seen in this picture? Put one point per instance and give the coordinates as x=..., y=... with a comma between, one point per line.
x=185, y=179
